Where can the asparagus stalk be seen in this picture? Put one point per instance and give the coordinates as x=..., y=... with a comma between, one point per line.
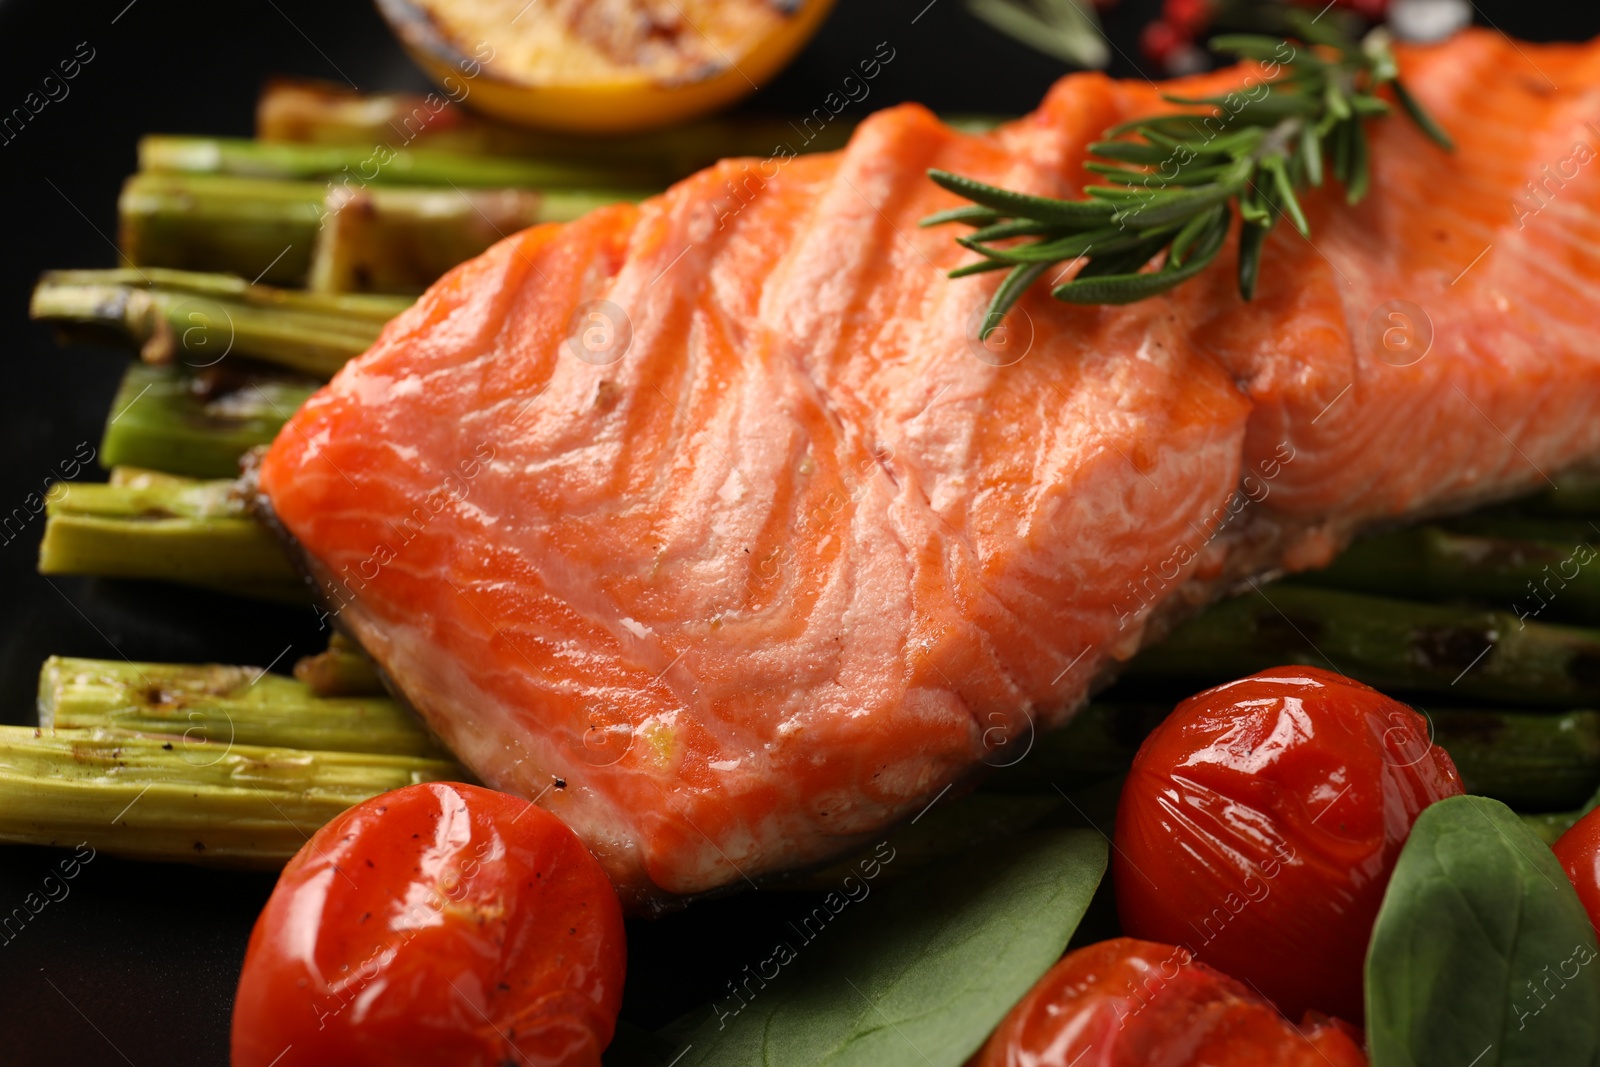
x=144, y=478
x=1551, y=825
x=1556, y=530
x=223, y=705
x=259, y=229
x=182, y=798
x=197, y=534
x=1465, y=653
x=165, y=419
x=355, y=307
x=1433, y=563
x=369, y=165
x=202, y=318
x=271, y=230
x=400, y=240
x=1534, y=761
x=151, y=498
x=1577, y=495
x=317, y=113
x=343, y=670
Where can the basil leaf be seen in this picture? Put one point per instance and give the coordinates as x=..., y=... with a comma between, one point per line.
x=918, y=974
x=947, y=830
x=1482, y=953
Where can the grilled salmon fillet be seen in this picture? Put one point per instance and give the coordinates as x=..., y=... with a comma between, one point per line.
x=708, y=522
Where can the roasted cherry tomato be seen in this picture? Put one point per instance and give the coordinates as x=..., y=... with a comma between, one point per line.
x=438, y=924
x=1128, y=1003
x=1260, y=823
x=1579, y=853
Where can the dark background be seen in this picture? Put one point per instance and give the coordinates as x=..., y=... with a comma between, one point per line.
x=138, y=964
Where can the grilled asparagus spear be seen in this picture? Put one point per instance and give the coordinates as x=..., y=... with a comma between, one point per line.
x=1544, y=579
x=1534, y=761
x=223, y=705
x=198, y=320
x=196, y=533
x=365, y=164
x=166, y=419
x=272, y=231
x=1463, y=653
x=184, y=798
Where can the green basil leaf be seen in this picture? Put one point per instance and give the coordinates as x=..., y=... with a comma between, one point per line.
x=1481, y=954
x=947, y=830
x=919, y=973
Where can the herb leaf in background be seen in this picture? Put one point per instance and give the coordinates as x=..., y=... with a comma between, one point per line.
x=1068, y=30
x=1482, y=953
x=918, y=974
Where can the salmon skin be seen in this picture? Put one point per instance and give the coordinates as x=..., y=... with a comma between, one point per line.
x=708, y=522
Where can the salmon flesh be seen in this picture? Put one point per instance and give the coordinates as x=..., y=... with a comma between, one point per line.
x=709, y=523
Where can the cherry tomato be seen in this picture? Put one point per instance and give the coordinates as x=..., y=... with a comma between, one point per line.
x=1127, y=1003
x=1372, y=10
x=1579, y=852
x=439, y=924
x=1260, y=824
x=1160, y=41
x=1187, y=17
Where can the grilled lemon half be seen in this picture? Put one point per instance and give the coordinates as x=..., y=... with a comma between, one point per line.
x=602, y=66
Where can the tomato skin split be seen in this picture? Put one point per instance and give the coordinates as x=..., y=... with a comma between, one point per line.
x=440, y=924
x=1129, y=1003
x=1260, y=824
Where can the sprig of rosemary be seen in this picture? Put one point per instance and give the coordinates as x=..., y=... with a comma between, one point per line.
x=1174, y=182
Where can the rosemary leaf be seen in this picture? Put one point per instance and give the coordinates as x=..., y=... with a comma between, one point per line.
x=972, y=215
x=1132, y=152
x=1171, y=185
x=1337, y=105
x=983, y=266
x=1191, y=232
x=1285, y=195
x=1131, y=288
x=1420, y=116
x=1010, y=291
x=1311, y=152
x=1128, y=260
x=1176, y=207
x=1065, y=29
x=1252, y=237
x=1022, y=205
x=1249, y=46
x=1360, y=165
x=1341, y=152
x=1328, y=34
x=1369, y=107
x=1010, y=228
x=1064, y=248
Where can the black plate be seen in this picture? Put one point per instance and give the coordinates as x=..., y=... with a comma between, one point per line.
x=137, y=962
